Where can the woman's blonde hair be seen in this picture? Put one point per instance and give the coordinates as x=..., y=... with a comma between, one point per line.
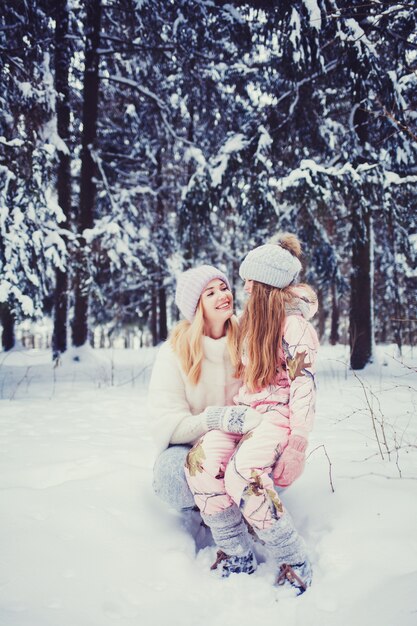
x=262, y=326
x=187, y=342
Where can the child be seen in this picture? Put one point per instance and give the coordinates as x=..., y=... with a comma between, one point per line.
x=230, y=473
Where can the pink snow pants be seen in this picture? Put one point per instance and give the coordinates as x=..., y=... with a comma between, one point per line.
x=223, y=468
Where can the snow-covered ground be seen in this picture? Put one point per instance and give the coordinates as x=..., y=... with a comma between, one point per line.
x=84, y=541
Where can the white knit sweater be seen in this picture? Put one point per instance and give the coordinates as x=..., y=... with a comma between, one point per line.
x=176, y=406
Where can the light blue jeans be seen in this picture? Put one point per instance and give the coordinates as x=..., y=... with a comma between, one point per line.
x=169, y=481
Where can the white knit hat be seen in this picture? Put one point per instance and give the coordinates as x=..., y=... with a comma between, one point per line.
x=190, y=285
x=271, y=264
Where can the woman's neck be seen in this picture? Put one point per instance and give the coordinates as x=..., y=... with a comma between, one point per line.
x=215, y=331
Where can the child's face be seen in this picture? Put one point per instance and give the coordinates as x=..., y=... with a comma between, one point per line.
x=248, y=287
x=217, y=302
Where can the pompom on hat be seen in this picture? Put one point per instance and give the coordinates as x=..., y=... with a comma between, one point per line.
x=190, y=285
x=271, y=264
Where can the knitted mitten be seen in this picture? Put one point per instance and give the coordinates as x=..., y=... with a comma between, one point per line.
x=290, y=464
x=289, y=551
x=231, y=535
x=232, y=419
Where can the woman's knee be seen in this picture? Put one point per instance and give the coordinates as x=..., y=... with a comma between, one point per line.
x=169, y=480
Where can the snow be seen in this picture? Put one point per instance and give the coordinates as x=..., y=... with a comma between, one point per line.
x=13, y=143
x=392, y=178
x=356, y=35
x=194, y=153
x=234, y=13
x=235, y=143
x=26, y=302
x=26, y=89
x=314, y=12
x=295, y=35
x=264, y=143
x=85, y=541
x=49, y=133
x=259, y=98
x=309, y=167
x=4, y=290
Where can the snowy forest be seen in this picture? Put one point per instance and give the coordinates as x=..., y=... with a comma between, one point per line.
x=140, y=137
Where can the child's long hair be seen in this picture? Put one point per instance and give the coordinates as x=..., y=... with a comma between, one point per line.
x=187, y=342
x=262, y=326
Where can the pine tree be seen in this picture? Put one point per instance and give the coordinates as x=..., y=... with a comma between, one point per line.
x=331, y=91
x=31, y=245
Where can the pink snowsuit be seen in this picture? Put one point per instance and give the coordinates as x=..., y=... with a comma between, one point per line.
x=224, y=468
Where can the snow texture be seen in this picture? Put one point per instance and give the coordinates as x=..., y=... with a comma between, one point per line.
x=236, y=143
x=314, y=12
x=85, y=541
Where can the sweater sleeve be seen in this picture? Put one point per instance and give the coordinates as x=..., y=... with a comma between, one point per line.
x=300, y=345
x=171, y=419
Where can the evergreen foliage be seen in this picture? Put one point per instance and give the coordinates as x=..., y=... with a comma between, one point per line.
x=31, y=245
x=217, y=124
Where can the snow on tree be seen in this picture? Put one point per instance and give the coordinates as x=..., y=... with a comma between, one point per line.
x=31, y=221
x=212, y=125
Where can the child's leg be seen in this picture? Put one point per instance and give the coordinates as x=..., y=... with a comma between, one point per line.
x=289, y=550
x=204, y=470
x=248, y=475
x=249, y=482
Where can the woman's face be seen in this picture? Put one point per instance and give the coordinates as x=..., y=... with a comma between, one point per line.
x=217, y=302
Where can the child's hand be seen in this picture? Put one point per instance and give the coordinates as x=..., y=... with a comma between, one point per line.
x=232, y=419
x=290, y=464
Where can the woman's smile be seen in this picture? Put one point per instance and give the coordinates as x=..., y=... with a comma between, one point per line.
x=224, y=305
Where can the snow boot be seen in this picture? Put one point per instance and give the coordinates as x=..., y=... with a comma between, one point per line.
x=297, y=576
x=242, y=564
x=231, y=536
x=288, y=549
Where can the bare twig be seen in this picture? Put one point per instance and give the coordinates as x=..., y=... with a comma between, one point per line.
x=371, y=411
x=24, y=377
x=329, y=461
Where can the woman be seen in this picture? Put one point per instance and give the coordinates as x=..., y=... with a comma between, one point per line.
x=230, y=473
x=193, y=383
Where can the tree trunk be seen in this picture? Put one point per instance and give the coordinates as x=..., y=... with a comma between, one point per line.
x=62, y=63
x=398, y=313
x=361, y=297
x=162, y=305
x=361, y=315
x=334, y=327
x=154, y=318
x=88, y=170
x=8, y=336
x=187, y=244
x=322, y=315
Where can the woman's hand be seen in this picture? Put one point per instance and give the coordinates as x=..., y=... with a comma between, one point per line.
x=232, y=419
x=290, y=464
